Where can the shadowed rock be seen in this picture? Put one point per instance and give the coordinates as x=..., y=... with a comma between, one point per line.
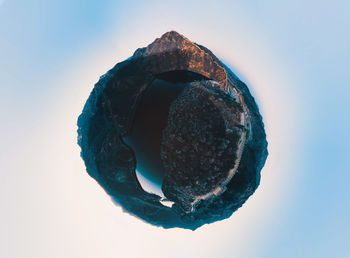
x=212, y=147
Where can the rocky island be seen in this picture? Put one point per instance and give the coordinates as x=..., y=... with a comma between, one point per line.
x=176, y=112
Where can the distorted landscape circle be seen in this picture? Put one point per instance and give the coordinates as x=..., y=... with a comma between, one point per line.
x=175, y=109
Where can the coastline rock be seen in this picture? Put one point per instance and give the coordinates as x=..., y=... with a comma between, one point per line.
x=108, y=116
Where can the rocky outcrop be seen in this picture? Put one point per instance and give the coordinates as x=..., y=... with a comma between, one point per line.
x=108, y=115
x=200, y=143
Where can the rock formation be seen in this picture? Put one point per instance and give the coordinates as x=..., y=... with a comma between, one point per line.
x=212, y=147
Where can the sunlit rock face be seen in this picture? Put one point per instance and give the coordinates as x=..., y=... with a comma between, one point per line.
x=186, y=122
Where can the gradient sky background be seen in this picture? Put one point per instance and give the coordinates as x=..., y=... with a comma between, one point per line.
x=295, y=57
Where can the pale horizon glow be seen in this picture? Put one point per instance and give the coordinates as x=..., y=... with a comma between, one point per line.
x=294, y=59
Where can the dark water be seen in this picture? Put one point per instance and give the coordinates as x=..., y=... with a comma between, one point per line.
x=150, y=119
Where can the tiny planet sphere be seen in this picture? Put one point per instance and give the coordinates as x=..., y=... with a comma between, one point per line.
x=183, y=119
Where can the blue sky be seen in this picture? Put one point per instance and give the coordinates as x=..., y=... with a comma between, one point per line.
x=295, y=57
